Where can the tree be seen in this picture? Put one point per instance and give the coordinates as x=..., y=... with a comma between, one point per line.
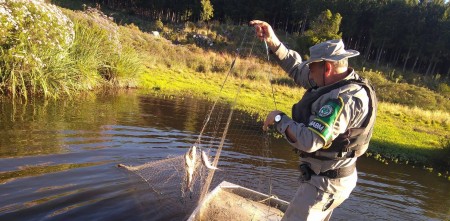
x=207, y=10
x=325, y=27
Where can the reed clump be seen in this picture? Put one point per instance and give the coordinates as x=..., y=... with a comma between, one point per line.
x=50, y=53
x=35, y=38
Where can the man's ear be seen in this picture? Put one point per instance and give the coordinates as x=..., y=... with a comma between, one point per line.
x=328, y=68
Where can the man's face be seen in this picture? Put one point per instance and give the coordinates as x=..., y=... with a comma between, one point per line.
x=316, y=74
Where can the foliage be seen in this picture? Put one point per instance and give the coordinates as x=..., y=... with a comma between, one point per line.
x=444, y=89
x=159, y=25
x=405, y=94
x=45, y=53
x=325, y=27
x=443, y=156
x=207, y=10
x=34, y=40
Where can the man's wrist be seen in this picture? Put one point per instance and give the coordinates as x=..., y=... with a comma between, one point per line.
x=278, y=118
x=275, y=45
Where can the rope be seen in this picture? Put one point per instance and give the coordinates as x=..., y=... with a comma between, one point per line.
x=266, y=150
x=270, y=75
x=197, y=142
x=222, y=141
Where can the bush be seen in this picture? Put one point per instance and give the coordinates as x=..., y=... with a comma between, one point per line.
x=89, y=54
x=444, y=89
x=159, y=25
x=44, y=52
x=443, y=154
x=34, y=40
x=287, y=81
x=99, y=53
x=220, y=66
x=406, y=94
x=96, y=48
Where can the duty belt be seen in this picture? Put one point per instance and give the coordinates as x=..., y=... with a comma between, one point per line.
x=306, y=172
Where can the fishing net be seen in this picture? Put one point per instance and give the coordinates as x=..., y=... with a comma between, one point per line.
x=182, y=182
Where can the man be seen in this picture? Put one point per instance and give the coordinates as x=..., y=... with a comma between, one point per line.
x=330, y=127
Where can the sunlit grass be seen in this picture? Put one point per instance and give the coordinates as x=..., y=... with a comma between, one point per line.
x=401, y=134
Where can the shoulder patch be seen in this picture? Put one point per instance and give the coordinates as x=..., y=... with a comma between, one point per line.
x=322, y=125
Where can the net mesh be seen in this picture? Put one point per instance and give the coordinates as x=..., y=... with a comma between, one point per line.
x=223, y=127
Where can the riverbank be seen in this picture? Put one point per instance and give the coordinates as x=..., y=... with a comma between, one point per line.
x=403, y=133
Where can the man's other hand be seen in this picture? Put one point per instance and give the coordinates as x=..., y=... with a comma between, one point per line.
x=270, y=119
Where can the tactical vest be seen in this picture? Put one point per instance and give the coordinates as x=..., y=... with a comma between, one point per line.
x=353, y=142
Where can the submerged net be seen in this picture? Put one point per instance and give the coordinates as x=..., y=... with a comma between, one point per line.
x=170, y=180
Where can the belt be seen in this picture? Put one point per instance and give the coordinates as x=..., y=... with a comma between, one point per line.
x=306, y=172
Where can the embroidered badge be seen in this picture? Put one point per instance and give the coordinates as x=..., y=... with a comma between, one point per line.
x=325, y=111
x=323, y=124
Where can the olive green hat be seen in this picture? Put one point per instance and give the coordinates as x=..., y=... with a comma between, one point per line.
x=332, y=50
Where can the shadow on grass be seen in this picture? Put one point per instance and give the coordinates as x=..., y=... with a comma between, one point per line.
x=437, y=159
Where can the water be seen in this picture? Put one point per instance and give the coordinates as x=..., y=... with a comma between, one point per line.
x=58, y=162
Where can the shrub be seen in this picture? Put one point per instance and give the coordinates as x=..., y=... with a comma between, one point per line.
x=159, y=25
x=95, y=48
x=406, y=94
x=444, y=89
x=220, y=66
x=284, y=81
x=34, y=40
x=443, y=154
x=88, y=54
x=99, y=53
x=44, y=52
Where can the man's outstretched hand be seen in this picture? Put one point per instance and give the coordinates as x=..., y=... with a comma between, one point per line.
x=265, y=32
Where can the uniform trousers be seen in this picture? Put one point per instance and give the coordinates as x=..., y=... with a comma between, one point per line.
x=312, y=203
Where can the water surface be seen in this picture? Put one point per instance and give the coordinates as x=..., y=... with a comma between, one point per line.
x=58, y=162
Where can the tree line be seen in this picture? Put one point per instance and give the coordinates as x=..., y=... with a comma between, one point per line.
x=410, y=35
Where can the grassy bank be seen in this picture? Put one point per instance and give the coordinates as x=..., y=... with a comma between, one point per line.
x=106, y=54
x=402, y=134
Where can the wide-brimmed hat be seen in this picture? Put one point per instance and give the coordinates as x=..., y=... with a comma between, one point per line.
x=332, y=50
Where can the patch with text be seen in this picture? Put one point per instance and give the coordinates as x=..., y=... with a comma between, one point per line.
x=323, y=124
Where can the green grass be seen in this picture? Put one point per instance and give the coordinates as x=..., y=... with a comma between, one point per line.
x=401, y=135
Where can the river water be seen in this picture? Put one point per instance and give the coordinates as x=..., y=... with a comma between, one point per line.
x=58, y=162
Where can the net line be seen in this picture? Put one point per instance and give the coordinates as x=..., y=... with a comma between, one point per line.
x=173, y=169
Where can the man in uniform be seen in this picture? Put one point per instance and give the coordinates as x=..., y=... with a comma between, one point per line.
x=330, y=127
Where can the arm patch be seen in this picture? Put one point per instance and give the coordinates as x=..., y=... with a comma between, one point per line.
x=327, y=116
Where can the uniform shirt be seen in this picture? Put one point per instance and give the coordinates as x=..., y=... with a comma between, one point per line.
x=353, y=114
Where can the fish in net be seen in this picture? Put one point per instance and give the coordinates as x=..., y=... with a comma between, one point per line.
x=167, y=179
x=182, y=182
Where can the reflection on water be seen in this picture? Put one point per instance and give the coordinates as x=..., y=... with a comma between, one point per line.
x=25, y=171
x=58, y=162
